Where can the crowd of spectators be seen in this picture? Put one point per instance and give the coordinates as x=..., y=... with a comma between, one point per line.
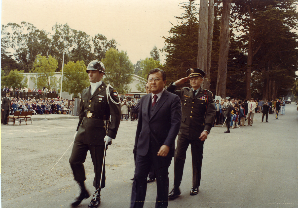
x=129, y=109
x=240, y=110
x=41, y=106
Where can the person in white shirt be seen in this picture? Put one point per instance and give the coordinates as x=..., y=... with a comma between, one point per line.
x=251, y=110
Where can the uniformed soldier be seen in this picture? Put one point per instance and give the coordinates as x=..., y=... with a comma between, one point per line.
x=198, y=114
x=99, y=106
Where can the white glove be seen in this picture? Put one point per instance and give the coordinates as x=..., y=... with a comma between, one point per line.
x=107, y=140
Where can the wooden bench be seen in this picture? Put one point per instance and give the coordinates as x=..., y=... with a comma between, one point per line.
x=14, y=117
x=27, y=115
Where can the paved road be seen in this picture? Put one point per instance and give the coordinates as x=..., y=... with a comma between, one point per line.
x=253, y=166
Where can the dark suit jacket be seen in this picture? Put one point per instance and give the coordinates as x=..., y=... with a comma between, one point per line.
x=163, y=125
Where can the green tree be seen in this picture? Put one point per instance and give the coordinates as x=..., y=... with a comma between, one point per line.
x=264, y=27
x=137, y=68
x=181, y=47
x=101, y=45
x=75, y=78
x=45, y=69
x=14, y=79
x=118, y=70
x=147, y=65
x=81, y=50
x=26, y=41
x=155, y=54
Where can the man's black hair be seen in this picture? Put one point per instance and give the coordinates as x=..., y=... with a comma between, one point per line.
x=152, y=71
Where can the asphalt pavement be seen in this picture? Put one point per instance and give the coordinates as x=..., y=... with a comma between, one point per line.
x=253, y=166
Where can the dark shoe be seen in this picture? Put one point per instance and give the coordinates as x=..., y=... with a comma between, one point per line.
x=174, y=193
x=95, y=200
x=194, y=191
x=83, y=195
x=227, y=131
x=149, y=180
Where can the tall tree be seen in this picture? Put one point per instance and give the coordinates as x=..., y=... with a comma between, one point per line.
x=119, y=70
x=81, y=50
x=155, y=54
x=14, y=79
x=101, y=45
x=147, y=65
x=181, y=47
x=203, y=37
x=207, y=80
x=45, y=69
x=75, y=78
x=223, y=50
x=262, y=24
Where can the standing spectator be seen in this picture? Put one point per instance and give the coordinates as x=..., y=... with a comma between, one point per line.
x=5, y=108
x=229, y=110
x=218, y=111
x=277, y=108
x=242, y=115
x=260, y=105
x=124, y=110
x=282, y=107
x=265, y=110
x=251, y=111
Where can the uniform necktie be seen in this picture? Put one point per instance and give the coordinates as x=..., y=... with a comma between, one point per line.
x=194, y=93
x=154, y=100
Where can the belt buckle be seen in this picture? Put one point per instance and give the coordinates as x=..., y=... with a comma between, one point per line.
x=89, y=114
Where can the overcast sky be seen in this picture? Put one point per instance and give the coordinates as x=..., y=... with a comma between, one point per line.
x=136, y=25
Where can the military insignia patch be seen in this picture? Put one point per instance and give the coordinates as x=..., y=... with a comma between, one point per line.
x=115, y=93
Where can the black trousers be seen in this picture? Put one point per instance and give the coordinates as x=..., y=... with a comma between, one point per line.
x=180, y=156
x=217, y=117
x=78, y=157
x=5, y=116
x=139, y=187
x=266, y=116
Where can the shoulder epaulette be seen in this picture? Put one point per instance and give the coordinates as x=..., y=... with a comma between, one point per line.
x=206, y=91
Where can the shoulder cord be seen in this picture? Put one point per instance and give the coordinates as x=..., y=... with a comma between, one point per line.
x=109, y=95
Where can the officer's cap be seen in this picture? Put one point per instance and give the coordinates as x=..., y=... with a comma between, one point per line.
x=195, y=72
x=96, y=66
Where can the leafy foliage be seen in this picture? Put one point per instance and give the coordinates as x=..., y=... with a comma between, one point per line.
x=45, y=69
x=118, y=70
x=14, y=79
x=147, y=65
x=75, y=78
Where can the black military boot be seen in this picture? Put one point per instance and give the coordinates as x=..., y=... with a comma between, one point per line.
x=95, y=201
x=84, y=194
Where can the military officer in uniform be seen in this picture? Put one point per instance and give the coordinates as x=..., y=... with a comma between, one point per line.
x=198, y=114
x=99, y=120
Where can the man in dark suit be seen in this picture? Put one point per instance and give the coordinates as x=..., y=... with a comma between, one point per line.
x=265, y=110
x=99, y=103
x=198, y=114
x=5, y=108
x=158, y=125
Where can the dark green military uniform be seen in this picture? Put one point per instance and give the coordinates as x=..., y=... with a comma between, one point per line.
x=198, y=113
x=94, y=110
